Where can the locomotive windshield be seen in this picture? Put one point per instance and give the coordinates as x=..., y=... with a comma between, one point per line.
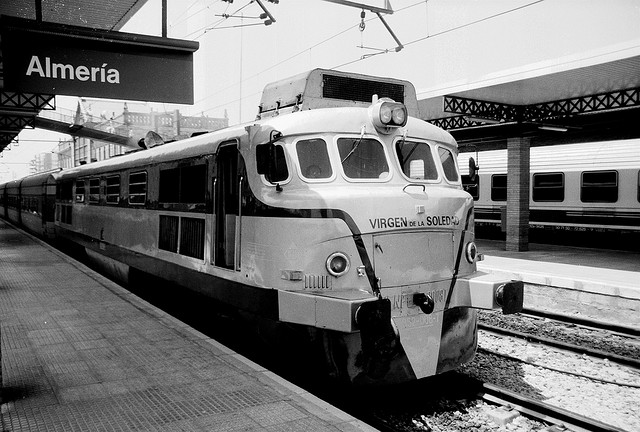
x=416, y=160
x=448, y=163
x=314, y=159
x=363, y=158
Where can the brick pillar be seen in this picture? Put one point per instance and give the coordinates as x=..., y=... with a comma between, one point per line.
x=518, y=194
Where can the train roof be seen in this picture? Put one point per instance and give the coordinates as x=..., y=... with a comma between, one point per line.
x=320, y=121
x=187, y=148
x=40, y=178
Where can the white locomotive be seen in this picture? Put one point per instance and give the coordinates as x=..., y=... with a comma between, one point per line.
x=335, y=211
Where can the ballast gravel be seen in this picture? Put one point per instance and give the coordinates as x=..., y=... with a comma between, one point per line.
x=599, y=389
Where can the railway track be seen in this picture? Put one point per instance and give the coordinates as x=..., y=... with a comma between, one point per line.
x=626, y=331
x=542, y=411
x=630, y=337
x=456, y=410
x=627, y=361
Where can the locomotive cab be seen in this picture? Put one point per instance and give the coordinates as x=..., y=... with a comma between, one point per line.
x=376, y=240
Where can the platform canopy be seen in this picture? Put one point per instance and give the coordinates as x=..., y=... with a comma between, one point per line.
x=562, y=101
x=18, y=110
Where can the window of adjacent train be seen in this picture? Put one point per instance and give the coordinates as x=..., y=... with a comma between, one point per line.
x=138, y=188
x=314, y=159
x=499, y=187
x=65, y=190
x=448, y=164
x=416, y=160
x=113, y=189
x=362, y=158
x=599, y=186
x=548, y=187
x=80, y=190
x=94, y=190
x=185, y=185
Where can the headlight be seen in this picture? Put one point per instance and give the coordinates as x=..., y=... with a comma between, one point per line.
x=471, y=252
x=399, y=115
x=386, y=113
x=338, y=264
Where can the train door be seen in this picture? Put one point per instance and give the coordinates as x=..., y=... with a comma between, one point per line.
x=227, y=187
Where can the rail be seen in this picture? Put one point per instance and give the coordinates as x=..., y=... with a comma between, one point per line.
x=542, y=411
x=627, y=361
x=584, y=322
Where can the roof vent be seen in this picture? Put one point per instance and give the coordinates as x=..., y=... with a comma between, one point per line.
x=321, y=88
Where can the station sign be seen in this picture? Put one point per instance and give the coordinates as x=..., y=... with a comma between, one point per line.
x=50, y=58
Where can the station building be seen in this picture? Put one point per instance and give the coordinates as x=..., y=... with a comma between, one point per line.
x=128, y=119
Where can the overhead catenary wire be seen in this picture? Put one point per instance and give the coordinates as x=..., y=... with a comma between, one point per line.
x=363, y=57
x=179, y=18
x=386, y=51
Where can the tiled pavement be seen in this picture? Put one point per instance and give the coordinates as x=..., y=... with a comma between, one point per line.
x=80, y=353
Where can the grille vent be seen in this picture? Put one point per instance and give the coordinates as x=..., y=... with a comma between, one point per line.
x=356, y=89
x=168, y=236
x=192, y=237
x=317, y=282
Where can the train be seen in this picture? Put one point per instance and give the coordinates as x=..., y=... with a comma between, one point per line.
x=337, y=212
x=590, y=187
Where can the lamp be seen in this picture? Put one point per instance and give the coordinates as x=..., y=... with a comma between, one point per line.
x=553, y=128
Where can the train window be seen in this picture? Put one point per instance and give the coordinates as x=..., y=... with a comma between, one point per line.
x=363, y=158
x=80, y=191
x=183, y=185
x=170, y=185
x=416, y=160
x=94, y=190
x=548, y=187
x=471, y=186
x=499, y=187
x=113, y=189
x=65, y=190
x=314, y=159
x=599, y=186
x=193, y=184
x=138, y=188
x=448, y=164
x=638, y=186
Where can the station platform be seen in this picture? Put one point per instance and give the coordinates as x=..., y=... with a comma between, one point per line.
x=597, y=284
x=80, y=353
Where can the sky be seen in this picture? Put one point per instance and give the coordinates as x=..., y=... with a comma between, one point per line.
x=448, y=44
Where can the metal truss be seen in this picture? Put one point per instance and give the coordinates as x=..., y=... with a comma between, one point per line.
x=628, y=98
x=481, y=113
x=10, y=123
x=492, y=111
x=7, y=138
x=27, y=101
x=459, y=122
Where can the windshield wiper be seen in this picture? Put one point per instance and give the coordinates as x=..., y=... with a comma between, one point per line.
x=355, y=145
